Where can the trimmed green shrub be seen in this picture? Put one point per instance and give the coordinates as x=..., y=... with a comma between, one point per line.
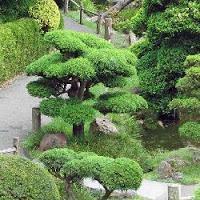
x=188, y=103
x=46, y=13
x=20, y=44
x=120, y=173
x=82, y=62
x=22, y=179
x=190, y=131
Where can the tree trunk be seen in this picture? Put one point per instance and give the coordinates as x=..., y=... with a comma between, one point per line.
x=69, y=191
x=78, y=130
x=118, y=7
x=107, y=195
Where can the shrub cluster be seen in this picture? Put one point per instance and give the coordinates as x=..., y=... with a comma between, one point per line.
x=45, y=12
x=20, y=44
x=172, y=31
x=120, y=173
x=22, y=179
x=188, y=102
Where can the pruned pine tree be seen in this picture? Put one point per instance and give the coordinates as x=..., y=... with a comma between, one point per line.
x=188, y=103
x=80, y=61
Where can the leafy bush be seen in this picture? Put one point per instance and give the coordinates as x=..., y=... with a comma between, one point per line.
x=46, y=13
x=190, y=131
x=21, y=179
x=188, y=103
x=20, y=44
x=173, y=33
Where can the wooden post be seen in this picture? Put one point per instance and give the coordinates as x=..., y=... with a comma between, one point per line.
x=99, y=19
x=81, y=13
x=174, y=192
x=16, y=145
x=66, y=6
x=108, y=29
x=36, y=119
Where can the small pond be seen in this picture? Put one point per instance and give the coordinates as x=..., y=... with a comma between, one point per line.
x=162, y=138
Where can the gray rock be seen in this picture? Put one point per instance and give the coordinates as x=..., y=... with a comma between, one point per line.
x=50, y=141
x=165, y=170
x=177, y=163
x=103, y=126
x=177, y=176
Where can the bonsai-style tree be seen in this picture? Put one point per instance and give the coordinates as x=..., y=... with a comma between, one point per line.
x=188, y=104
x=112, y=174
x=80, y=61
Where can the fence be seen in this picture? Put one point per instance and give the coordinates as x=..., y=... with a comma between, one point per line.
x=107, y=22
x=14, y=149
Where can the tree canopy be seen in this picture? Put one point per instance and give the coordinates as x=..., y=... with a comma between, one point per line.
x=67, y=74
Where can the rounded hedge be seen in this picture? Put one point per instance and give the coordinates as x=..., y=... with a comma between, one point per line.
x=22, y=179
x=190, y=131
x=46, y=13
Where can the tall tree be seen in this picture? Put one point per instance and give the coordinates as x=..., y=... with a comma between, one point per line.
x=79, y=62
x=173, y=33
x=188, y=103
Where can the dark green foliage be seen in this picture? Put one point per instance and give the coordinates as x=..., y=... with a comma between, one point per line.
x=80, y=62
x=22, y=179
x=52, y=106
x=20, y=44
x=173, y=33
x=76, y=113
x=40, y=88
x=121, y=102
x=140, y=47
x=188, y=103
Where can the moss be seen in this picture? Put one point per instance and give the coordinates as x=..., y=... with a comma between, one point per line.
x=21, y=178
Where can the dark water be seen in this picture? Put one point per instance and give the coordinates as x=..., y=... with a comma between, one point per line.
x=163, y=138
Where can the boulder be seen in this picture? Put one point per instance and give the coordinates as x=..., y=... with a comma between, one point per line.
x=103, y=126
x=50, y=141
x=177, y=176
x=165, y=170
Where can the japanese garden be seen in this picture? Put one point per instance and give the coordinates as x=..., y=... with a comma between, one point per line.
x=99, y=99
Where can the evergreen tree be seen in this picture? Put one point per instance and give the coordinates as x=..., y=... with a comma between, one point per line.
x=172, y=33
x=188, y=103
x=67, y=74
